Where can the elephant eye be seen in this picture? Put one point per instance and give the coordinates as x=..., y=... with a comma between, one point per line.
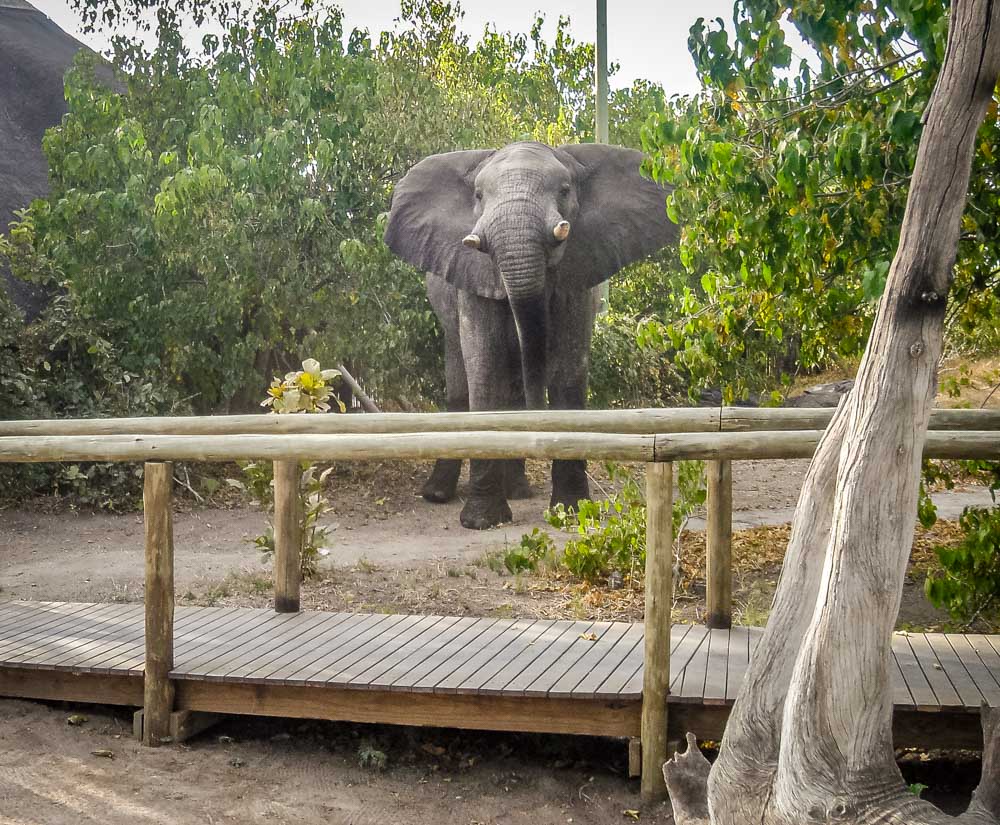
x=479, y=195
x=564, y=189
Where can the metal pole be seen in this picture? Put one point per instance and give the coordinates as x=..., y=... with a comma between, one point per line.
x=601, y=127
x=601, y=109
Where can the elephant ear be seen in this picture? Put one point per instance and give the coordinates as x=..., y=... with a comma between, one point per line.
x=622, y=217
x=432, y=210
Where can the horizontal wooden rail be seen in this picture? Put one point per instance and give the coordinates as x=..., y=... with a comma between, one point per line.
x=614, y=447
x=635, y=422
x=328, y=447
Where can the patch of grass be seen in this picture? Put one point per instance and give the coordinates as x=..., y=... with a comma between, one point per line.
x=372, y=758
x=755, y=607
x=494, y=560
x=503, y=611
x=364, y=565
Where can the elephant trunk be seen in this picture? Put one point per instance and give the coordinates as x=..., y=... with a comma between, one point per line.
x=523, y=274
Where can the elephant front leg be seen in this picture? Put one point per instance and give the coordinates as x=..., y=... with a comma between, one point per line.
x=572, y=314
x=491, y=357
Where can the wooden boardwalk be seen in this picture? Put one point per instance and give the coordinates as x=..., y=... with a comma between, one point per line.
x=536, y=675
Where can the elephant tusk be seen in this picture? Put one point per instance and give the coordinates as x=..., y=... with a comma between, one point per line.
x=561, y=231
x=472, y=241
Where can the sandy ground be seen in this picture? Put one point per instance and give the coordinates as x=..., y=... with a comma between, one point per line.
x=387, y=544
x=275, y=771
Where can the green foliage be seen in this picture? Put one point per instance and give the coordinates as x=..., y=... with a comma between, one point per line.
x=969, y=581
x=526, y=556
x=791, y=183
x=611, y=533
x=917, y=788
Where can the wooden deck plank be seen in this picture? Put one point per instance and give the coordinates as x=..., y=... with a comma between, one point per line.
x=378, y=635
x=342, y=644
x=39, y=623
x=965, y=686
x=681, y=656
x=943, y=689
x=565, y=684
x=692, y=685
x=982, y=662
x=274, y=634
x=498, y=651
x=923, y=695
x=109, y=631
x=717, y=673
x=580, y=647
x=16, y=613
x=900, y=691
x=625, y=682
x=194, y=654
x=309, y=644
x=534, y=658
x=739, y=660
x=339, y=635
x=455, y=654
x=276, y=640
x=204, y=628
x=43, y=621
x=404, y=667
x=134, y=644
x=633, y=687
x=27, y=618
x=612, y=660
x=379, y=656
x=62, y=634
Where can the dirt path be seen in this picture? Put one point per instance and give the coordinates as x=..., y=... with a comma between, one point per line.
x=74, y=556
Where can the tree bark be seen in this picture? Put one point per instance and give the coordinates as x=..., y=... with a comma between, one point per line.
x=810, y=736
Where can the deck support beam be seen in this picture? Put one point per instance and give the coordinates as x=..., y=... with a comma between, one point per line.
x=287, y=537
x=659, y=600
x=719, y=545
x=158, y=691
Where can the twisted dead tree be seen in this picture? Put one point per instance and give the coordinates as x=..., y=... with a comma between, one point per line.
x=810, y=736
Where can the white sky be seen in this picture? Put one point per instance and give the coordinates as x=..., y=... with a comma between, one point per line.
x=647, y=37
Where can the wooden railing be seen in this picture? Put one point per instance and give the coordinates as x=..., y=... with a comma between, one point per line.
x=654, y=437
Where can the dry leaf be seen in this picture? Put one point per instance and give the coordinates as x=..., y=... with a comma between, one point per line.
x=589, y=637
x=631, y=813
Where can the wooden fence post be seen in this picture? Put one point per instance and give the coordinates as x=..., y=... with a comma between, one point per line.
x=158, y=691
x=719, y=545
x=287, y=536
x=659, y=600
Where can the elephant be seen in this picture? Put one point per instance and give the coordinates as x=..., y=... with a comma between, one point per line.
x=513, y=242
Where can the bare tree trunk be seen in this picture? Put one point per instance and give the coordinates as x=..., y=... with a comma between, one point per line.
x=810, y=736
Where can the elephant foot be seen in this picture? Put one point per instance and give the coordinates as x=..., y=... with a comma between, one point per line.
x=516, y=485
x=484, y=513
x=440, y=486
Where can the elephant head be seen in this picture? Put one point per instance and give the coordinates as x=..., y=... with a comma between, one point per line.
x=509, y=224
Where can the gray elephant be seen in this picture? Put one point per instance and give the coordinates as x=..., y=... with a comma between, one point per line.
x=513, y=241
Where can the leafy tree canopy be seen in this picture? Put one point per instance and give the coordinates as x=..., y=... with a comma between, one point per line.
x=791, y=178
x=221, y=219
